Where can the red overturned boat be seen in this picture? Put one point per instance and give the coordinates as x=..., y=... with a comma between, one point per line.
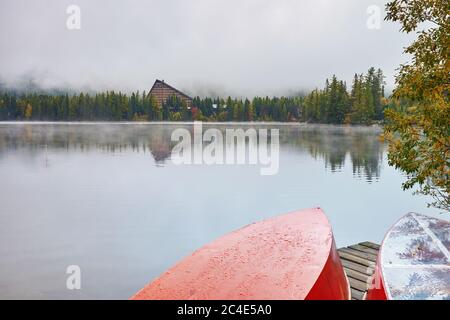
x=414, y=261
x=288, y=257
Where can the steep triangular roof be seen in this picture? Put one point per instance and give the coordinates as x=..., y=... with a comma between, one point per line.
x=169, y=86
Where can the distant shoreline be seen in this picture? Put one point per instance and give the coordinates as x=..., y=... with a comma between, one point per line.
x=245, y=123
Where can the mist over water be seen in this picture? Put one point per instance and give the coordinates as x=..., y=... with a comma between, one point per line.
x=108, y=198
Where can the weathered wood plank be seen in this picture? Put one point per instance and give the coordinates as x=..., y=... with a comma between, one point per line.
x=359, y=262
x=359, y=285
x=356, y=259
x=364, y=249
x=360, y=254
x=357, y=275
x=357, y=267
x=370, y=245
x=358, y=295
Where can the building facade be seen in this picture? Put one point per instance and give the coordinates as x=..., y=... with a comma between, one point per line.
x=161, y=91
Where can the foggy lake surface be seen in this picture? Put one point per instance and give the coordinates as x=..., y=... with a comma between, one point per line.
x=108, y=198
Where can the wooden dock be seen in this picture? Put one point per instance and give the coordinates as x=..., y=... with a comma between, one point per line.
x=359, y=262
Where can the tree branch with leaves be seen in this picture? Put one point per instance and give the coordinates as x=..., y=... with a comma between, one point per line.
x=419, y=138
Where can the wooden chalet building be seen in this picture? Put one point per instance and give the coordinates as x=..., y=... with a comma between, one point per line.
x=161, y=91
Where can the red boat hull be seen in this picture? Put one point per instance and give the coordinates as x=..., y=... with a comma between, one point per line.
x=377, y=290
x=289, y=257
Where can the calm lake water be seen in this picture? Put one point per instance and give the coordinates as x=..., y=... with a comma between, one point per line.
x=107, y=197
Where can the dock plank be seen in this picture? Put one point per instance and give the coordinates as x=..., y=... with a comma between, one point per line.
x=359, y=285
x=359, y=262
x=357, y=275
x=363, y=255
x=370, y=245
x=357, y=267
x=364, y=249
x=356, y=259
x=358, y=295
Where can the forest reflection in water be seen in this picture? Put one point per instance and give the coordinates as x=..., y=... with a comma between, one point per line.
x=333, y=144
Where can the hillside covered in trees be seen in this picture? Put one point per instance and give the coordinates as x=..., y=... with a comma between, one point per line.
x=363, y=103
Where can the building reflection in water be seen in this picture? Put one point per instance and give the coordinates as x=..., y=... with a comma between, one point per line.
x=333, y=144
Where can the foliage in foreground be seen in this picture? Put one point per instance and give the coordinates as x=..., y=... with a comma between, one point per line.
x=419, y=138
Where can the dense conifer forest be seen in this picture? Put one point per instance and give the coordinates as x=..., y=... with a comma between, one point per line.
x=362, y=103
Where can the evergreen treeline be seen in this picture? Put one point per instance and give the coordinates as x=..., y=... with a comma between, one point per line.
x=364, y=103
x=334, y=104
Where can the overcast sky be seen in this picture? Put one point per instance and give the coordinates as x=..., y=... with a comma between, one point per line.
x=244, y=47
